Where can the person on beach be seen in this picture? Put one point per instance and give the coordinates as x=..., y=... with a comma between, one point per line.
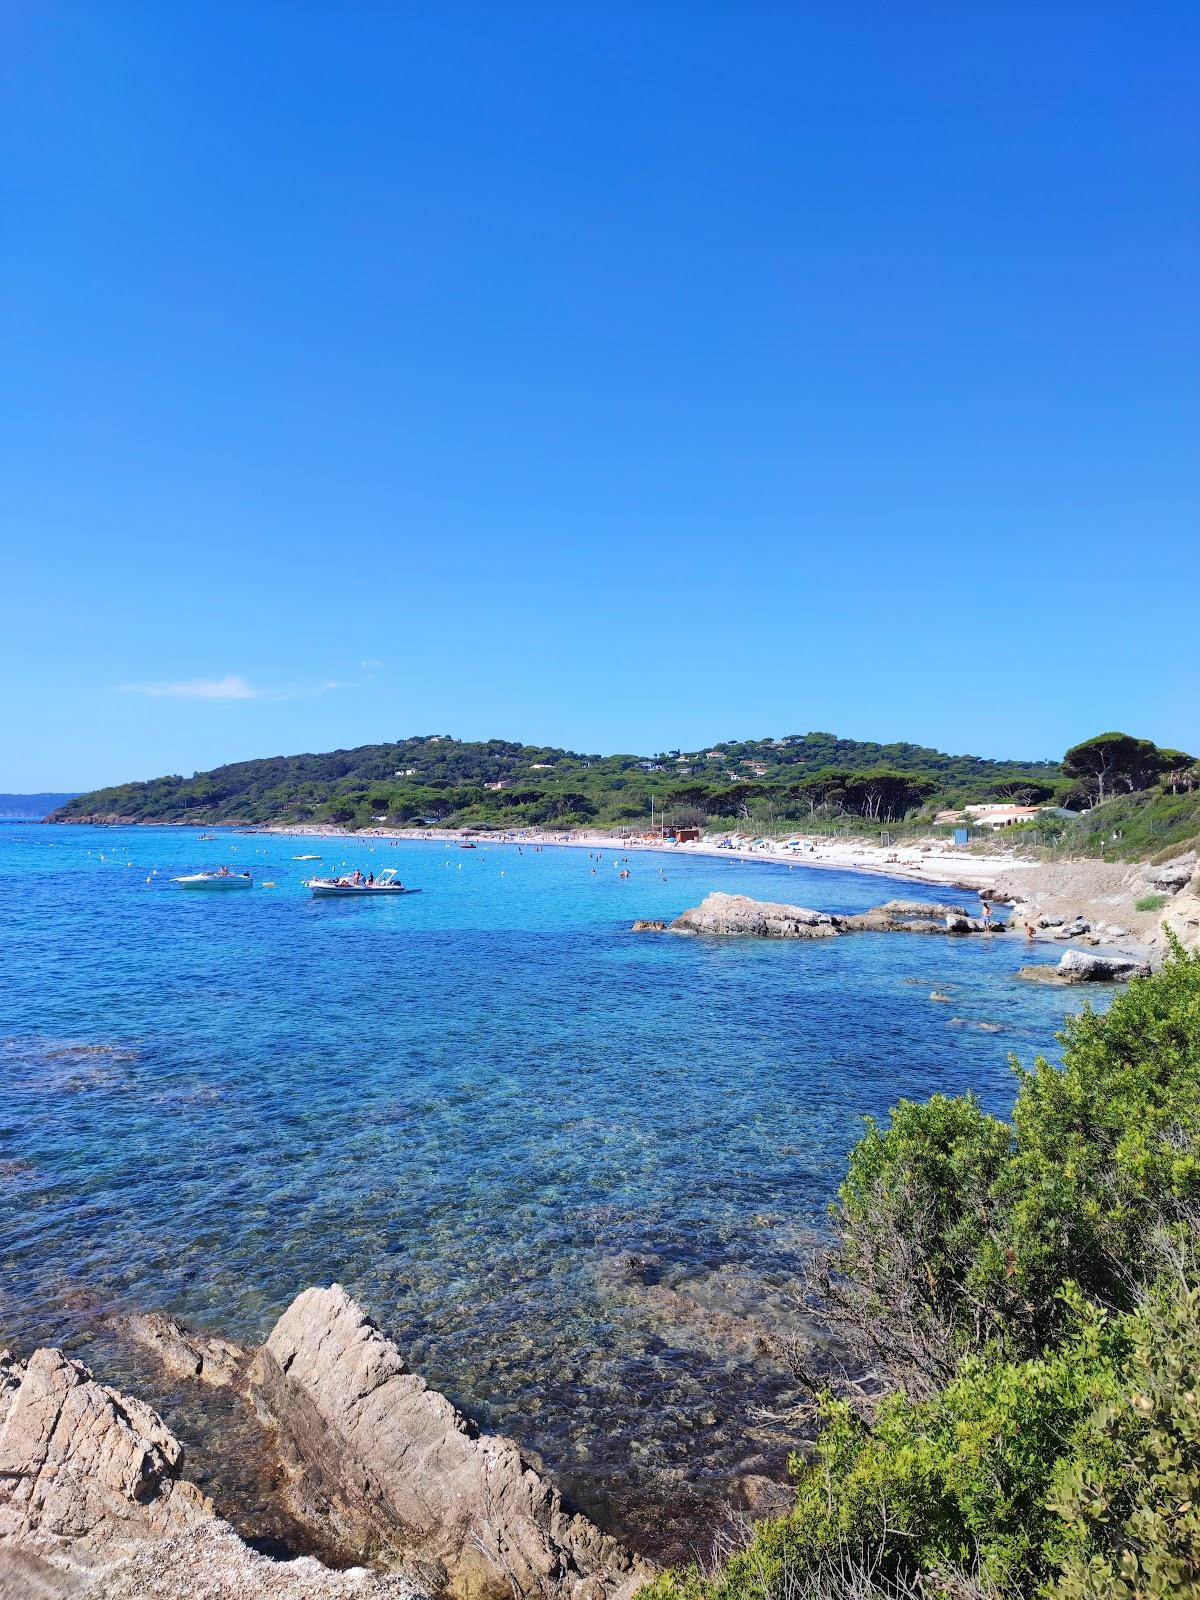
x=987, y=914
x=1029, y=931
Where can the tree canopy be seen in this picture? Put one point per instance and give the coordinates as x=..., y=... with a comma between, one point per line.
x=504, y=783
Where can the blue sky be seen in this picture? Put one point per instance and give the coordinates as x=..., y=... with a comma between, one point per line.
x=624, y=376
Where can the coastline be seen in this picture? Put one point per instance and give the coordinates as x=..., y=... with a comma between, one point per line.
x=1099, y=897
x=1104, y=899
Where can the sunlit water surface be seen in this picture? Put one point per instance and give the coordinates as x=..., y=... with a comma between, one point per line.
x=472, y=1107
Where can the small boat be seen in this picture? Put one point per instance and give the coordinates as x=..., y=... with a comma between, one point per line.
x=465, y=844
x=306, y=858
x=386, y=883
x=206, y=838
x=215, y=880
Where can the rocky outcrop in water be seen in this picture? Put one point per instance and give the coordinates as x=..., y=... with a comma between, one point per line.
x=78, y=1460
x=93, y=1505
x=397, y=1471
x=738, y=914
x=916, y=916
x=1079, y=966
x=93, y=1502
x=185, y=1353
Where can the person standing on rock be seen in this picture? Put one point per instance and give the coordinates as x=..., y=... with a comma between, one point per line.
x=987, y=914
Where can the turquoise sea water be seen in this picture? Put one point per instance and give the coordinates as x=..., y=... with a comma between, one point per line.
x=511, y=1127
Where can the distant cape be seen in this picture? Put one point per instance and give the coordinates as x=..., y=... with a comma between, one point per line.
x=32, y=807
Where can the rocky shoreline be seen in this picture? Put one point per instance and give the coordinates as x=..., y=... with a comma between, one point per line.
x=737, y=915
x=94, y=1501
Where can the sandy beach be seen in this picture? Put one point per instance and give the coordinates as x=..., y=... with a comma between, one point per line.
x=924, y=863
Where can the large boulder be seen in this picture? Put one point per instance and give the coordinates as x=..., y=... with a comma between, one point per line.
x=77, y=1459
x=396, y=1471
x=1086, y=968
x=1079, y=966
x=1176, y=874
x=739, y=914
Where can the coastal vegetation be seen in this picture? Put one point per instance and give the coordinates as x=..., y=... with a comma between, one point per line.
x=1113, y=794
x=1018, y=1303
x=435, y=778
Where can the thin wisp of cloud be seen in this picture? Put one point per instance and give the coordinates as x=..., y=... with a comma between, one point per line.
x=230, y=687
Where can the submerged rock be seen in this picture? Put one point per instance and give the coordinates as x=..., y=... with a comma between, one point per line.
x=186, y=1353
x=398, y=1472
x=649, y=925
x=705, y=1326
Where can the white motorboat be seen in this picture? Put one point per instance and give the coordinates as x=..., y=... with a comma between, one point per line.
x=385, y=884
x=306, y=858
x=215, y=880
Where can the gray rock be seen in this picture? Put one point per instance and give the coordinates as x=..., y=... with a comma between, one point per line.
x=1102, y=969
x=399, y=1473
x=734, y=914
x=1079, y=966
x=79, y=1460
x=1174, y=874
x=738, y=914
x=649, y=925
x=916, y=916
x=758, y=1496
x=93, y=1506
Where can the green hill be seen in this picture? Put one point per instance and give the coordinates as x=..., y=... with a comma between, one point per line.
x=501, y=783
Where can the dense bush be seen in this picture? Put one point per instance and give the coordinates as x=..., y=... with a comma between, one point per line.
x=1020, y=1304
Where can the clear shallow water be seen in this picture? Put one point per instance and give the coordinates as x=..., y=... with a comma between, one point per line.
x=471, y=1106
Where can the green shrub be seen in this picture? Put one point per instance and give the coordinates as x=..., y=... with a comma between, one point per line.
x=1026, y=1300
x=1151, y=902
x=1129, y=1496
